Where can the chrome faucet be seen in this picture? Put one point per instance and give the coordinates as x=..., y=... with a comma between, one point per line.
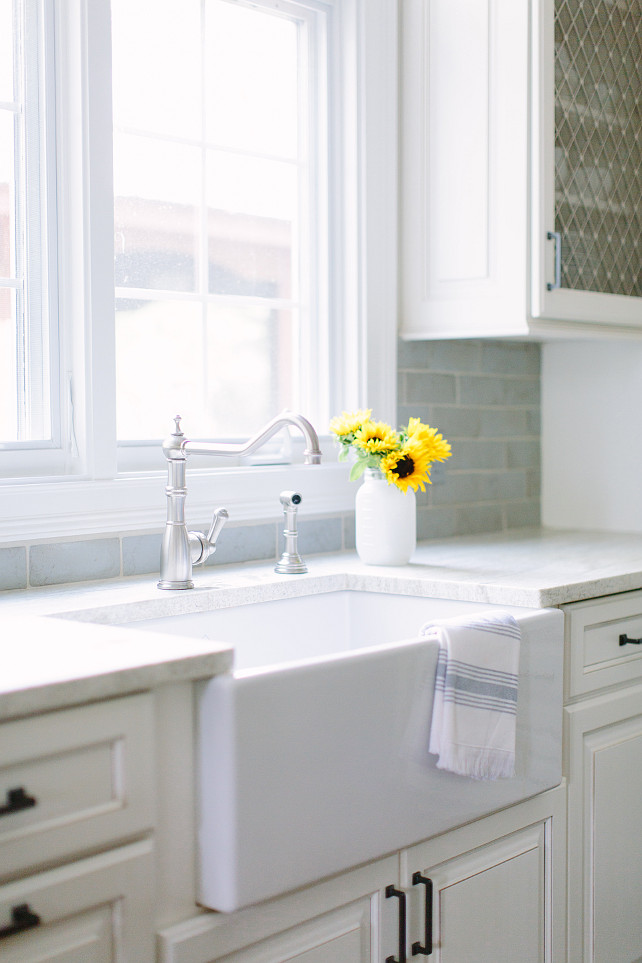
x=181, y=550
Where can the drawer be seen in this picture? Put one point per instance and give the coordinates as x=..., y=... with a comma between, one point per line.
x=595, y=658
x=90, y=911
x=75, y=780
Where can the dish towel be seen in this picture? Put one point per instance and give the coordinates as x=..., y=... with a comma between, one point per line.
x=475, y=700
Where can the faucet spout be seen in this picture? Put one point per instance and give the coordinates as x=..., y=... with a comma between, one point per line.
x=179, y=550
x=311, y=455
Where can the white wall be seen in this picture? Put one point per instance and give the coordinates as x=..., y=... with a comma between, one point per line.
x=592, y=436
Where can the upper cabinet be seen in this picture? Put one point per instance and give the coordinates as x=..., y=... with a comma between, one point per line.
x=521, y=168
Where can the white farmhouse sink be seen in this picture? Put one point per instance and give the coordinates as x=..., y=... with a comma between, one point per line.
x=313, y=752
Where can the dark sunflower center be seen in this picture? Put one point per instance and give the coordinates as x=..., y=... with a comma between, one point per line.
x=404, y=467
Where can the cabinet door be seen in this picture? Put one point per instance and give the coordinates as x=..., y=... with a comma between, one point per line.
x=589, y=211
x=343, y=936
x=464, y=161
x=497, y=884
x=605, y=846
x=345, y=919
x=491, y=901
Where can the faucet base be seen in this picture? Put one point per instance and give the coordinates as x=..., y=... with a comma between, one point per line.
x=290, y=564
x=174, y=586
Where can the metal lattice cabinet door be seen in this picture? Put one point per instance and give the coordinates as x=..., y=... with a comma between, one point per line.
x=598, y=144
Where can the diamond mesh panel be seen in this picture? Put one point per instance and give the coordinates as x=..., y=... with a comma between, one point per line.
x=598, y=144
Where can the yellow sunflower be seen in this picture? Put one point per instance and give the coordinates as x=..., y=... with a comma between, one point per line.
x=375, y=437
x=409, y=467
x=348, y=422
x=435, y=445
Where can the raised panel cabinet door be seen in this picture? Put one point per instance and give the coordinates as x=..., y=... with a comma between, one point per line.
x=492, y=900
x=605, y=844
x=342, y=936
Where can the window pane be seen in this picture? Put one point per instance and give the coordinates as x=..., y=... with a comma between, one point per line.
x=253, y=54
x=8, y=387
x=156, y=76
x=226, y=371
x=248, y=365
x=251, y=215
x=6, y=50
x=156, y=197
x=212, y=210
x=24, y=242
x=6, y=195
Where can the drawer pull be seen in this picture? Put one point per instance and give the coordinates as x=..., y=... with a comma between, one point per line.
x=17, y=799
x=417, y=948
x=625, y=640
x=401, y=896
x=21, y=919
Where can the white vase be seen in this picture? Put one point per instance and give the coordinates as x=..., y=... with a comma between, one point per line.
x=385, y=521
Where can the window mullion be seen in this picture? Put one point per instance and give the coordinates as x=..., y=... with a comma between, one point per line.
x=100, y=380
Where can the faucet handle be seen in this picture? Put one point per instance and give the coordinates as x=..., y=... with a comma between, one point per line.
x=221, y=515
x=201, y=545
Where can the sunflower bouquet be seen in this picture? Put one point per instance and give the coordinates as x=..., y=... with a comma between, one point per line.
x=404, y=457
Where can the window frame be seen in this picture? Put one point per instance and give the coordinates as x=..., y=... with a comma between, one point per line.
x=93, y=496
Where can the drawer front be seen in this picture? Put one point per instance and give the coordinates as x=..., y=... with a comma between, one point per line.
x=95, y=910
x=595, y=657
x=74, y=780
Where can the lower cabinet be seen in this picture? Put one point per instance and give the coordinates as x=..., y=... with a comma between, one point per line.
x=485, y=890
x=335, y=921
x=605, y=845
x=482, y=892
x=603, y=750
x=94, y=910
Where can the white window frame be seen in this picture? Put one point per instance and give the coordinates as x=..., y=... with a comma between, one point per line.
x=94, y=497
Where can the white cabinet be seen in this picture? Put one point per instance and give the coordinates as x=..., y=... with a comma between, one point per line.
x=76, y=783
x=517, y=127
x=335, y=920
x=496, y=883
x=604, y=750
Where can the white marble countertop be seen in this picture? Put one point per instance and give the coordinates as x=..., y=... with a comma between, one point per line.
x=49, y=662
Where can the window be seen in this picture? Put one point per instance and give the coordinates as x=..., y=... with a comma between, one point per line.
x=27, y=351
x=220, y=214
x=223, y=242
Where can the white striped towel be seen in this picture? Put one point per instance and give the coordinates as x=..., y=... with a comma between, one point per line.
x=475, y=699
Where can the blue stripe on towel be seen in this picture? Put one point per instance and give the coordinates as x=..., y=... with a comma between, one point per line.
x=476, y=687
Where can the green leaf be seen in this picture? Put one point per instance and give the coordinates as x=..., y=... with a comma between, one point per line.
x=343, y=454
x=357, y=469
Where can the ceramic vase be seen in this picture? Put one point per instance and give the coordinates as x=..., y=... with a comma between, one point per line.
x=385, y=521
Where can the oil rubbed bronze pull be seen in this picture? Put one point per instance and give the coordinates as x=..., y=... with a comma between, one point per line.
x=17, y=799
x=21, y=919
x=401, y=896
x=625, y=640
x=417, y=948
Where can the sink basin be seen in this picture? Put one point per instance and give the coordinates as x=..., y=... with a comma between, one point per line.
x=312, y=753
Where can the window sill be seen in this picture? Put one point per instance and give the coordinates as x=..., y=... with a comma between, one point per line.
x=55, y=507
